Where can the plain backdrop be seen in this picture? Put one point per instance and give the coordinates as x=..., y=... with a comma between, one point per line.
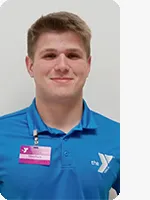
x=102, y=90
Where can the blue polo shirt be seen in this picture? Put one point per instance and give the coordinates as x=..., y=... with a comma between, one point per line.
x=84, y=163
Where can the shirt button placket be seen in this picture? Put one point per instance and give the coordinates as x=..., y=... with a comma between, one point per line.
x=66, y=154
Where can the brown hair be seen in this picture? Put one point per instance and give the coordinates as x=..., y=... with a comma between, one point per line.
x=58, y=21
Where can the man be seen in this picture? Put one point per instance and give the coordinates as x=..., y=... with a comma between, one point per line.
x=58, y=148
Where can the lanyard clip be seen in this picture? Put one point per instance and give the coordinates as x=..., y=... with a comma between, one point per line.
x=36, y=140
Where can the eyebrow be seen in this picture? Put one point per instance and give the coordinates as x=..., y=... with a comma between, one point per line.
x=75, y=50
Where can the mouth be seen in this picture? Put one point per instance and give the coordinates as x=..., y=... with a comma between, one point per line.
x=62, y=80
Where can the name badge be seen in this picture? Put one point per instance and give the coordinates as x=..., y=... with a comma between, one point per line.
x=38, y=155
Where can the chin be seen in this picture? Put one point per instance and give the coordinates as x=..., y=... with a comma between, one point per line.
x=63, y=96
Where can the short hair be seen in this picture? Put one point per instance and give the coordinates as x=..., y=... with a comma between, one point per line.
x=60, y=22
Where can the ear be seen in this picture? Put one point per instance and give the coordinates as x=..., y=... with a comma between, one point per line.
x=89, y=60
x=89, y=65
x=29, y=65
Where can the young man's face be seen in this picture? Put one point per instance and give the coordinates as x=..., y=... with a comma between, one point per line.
x=60, y=66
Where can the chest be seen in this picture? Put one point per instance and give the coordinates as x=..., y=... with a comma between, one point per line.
x=80, y=163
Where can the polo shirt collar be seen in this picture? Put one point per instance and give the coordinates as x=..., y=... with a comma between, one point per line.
x=35, y=121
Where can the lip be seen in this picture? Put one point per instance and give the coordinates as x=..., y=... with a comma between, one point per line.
x=59, y=78
x=62, y=80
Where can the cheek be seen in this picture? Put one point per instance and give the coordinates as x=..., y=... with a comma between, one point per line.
x=81, y=71
x=42, y=68
x=79, y=68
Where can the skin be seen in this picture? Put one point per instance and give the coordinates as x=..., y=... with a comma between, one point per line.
x=60, y=67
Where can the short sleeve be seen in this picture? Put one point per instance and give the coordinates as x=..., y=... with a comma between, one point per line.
x=116, y=185
x=0, y=187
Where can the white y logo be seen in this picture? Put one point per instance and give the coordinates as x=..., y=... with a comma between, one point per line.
x=105, y=159
x=25, y=150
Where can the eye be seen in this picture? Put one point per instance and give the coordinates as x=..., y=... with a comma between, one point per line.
x=73, y=56
x=49, y=56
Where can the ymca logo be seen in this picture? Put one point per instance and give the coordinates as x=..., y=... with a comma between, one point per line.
x=105, y=160
x=25, y=149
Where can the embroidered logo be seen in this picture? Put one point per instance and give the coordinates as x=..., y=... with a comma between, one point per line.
x=105, y=160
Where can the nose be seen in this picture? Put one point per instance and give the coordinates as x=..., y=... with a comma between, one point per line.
x=61, y=63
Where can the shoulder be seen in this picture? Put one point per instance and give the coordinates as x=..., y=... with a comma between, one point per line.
x=108, y=132
x=10, y=120
x=103, y=121
x=13, y=115
x=107, y=128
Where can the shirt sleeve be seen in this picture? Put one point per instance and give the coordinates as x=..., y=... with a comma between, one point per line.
x=116, y=185
x=0, y=187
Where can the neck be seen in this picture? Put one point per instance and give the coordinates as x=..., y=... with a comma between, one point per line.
x=60, y=115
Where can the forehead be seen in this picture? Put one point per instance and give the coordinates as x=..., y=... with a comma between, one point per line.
x=59, y=41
